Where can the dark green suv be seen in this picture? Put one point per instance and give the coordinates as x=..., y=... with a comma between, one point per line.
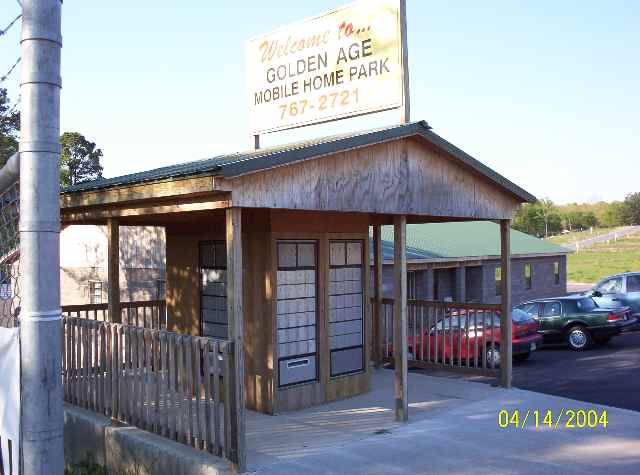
x=577, y=320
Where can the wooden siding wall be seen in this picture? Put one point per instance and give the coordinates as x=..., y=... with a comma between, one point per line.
x=261, y=230
x=401, y=177
x=322, y=227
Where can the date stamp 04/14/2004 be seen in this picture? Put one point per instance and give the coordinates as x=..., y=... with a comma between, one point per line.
x=545, y=419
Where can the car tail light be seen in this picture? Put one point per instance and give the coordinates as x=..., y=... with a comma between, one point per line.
x=614, y=317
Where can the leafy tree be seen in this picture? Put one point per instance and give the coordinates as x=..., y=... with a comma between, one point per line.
x=539, y=219
x=631, y=209
x=580, y=220
x=9, y=128
x=613, y=215
x=80, y=159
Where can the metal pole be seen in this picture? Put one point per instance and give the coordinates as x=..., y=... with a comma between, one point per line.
x=405, y=114
x=40, y=328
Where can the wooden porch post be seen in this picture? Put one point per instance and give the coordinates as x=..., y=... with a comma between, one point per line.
x=236, y=417
x=113, y=270
x=505, y=320
x=400, y=318
x=377, y=292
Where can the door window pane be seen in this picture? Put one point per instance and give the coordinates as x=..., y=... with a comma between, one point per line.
x=306, y=255
x=287, y=255
x=354, y=253
x=530, y=309
x=633, y=283
x=551, y=309
x=338, y=253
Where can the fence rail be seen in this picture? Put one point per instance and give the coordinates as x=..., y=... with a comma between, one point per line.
x=447, y=335
x=167, y=383
x=142, y=313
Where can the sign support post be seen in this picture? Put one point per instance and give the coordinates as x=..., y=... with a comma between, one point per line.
x=405, y=111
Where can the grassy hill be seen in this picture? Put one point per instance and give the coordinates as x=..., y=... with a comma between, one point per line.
x=600, y=260
x=574, y=236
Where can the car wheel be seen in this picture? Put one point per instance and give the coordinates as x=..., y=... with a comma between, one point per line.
x=493, y=356
x=522, y=356
x=578, y=338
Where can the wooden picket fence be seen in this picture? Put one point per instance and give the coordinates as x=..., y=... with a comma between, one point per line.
x=459, y=336
x=175, y=385
x=142, y=313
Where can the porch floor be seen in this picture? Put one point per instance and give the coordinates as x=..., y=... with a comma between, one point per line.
x=293, y=435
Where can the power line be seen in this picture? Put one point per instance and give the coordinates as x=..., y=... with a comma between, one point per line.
x=3, y=32
x=4, y=78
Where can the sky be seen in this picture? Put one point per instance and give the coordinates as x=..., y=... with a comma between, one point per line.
x=546, y=93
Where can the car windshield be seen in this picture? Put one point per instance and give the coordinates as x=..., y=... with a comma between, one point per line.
x=610, y=286
x=586, y=305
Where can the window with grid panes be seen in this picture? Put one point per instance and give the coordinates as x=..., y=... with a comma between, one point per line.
x=297, y=312
x=346, y=299
x=213, y=291
x=95, y=292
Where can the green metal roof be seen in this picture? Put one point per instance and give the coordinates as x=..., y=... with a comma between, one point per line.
x=463, y=239
x=237, y=164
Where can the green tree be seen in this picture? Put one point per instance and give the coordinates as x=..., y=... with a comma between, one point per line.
x=80, y=159
x=613, y=215
x=631, y=209
x=9, y=128
x=539, y=219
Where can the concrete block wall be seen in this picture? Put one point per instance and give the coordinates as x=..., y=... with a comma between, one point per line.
x=542, y=279
x=477, y=283
x=123, y=449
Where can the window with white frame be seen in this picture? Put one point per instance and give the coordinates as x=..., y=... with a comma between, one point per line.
x=95, y=292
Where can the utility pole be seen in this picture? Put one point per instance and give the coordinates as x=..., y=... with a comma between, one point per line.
x=40, y=323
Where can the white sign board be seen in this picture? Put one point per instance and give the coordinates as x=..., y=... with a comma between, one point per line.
x=341, y=64
x=10, y=399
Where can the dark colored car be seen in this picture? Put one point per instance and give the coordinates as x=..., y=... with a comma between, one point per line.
x=578, y=320
x=621, y=290
x=448, y=338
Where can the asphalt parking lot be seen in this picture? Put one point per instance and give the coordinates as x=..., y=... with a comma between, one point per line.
x=606, y=374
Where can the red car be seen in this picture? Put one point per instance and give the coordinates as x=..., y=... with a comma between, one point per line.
x=463, y=335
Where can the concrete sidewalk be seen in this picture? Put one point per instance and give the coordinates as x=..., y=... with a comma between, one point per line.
x=453, y=429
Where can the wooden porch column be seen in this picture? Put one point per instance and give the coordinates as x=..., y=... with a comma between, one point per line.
x=113, y=270
x=461, y=283
x=377, y=293
x=236, y=420
x=505, y=320
x=400, y=318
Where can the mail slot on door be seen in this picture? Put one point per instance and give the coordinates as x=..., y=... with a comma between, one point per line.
x=297, y=370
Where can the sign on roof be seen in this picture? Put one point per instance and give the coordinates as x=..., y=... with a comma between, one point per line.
x=344, y=63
